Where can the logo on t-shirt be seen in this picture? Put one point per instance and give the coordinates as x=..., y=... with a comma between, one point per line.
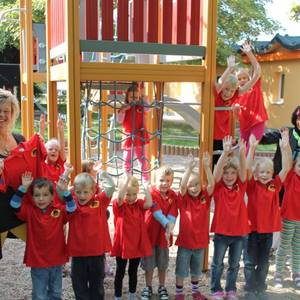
x=271, y=187
x=94, y=204
x=55, y=213
x=202, y=199
x=33, y=152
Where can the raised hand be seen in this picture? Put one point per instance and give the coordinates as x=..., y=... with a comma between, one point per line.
x=62, y=183
x=253, y=142
x=231, y=61
x=191, y=163
x=227, y=144
x=206, y=159
x=284, y=141
x=27, y=179
x=246, y=48
x=242, y=146
x=60, y=123
x=68, y=168
x=97, y=166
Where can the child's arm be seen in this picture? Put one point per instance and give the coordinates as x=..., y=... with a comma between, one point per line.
x=286, y=155
x=208, y=172
x=148, y=202
x=123, y=189
x=227, y=144
x=65, y=176
x=246, y=48
x=243, y=164
x=191, y=163
x=62, y=185
x=250, y=157
x=42, y=125
x=61, y=137
x=16, y=199
x=107, y=184
x=231, y=65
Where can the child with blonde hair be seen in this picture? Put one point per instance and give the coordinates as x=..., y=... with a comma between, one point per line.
x=160, y=220
x=290, y=234
x=227, y=92
x=264, y=215
x=131, y=240
x=88, y=238
x=194, y=206
x=230, y=221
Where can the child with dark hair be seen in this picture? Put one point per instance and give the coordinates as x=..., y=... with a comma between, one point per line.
x=45, y=249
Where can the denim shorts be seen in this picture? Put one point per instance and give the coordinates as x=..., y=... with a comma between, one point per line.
x=187, y=261
x=159, y=259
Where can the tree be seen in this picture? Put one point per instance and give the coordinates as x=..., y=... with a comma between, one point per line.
x=10, y=30
x=240, y=20
x=295, y=12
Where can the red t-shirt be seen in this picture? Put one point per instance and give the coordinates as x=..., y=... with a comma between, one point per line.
x=253, y=109
x=291, y=202
x=194, y=221
x=52, y=171
x=45, y=243
x=263, y=205
x=27, y=156
x=130, y=237
x=167, y=205
x=88, y=228
x=230, y=216
x=222, y=118
x=135, y=123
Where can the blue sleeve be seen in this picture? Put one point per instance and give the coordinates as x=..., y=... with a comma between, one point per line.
x=16, y=200
x=161, y=218
x=171, y=218
x=70, y=203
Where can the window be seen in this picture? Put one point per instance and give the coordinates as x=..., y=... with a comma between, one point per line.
x=279, y=88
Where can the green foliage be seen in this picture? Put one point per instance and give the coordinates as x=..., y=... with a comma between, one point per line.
x=295, y=12
x=9, y=29
x=241, y=20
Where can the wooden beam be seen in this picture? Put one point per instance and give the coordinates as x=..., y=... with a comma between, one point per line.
x=141, y=72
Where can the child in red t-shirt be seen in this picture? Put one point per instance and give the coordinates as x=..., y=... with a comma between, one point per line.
x=252, y=113
x=290, y=234
x=132, y=116
x=194, y=205
x=55, y=158
x=131, y=240
x=227, y=93
x=264, y=215
x=160, y=220
x=230, y=221
x=88, y=238
x=45, y=249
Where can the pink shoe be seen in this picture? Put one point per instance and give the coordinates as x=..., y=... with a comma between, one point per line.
x=231, y=295
x=179, y=297
x=198, y=296
x=217, y=295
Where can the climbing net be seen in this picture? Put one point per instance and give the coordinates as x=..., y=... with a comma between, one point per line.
x=99, y=110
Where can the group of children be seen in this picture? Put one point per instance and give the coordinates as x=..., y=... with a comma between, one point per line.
x=144, y=227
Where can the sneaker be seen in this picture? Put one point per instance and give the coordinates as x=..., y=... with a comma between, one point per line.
x=132, y=296
x=231, y=295
x=179, y=297
x=198, y=296
x=278, y=281
x=250, y=296
x=146, y=293
x=217, y=295
x=262, y=295
x=296, y=279
x=163, y=293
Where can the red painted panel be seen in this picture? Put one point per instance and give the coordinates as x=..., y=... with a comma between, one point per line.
x=91, y=17
x=122, y=26
x=181, y=21
x=107, y=20
x=153, y=21
x=138, y=20
x=167, y=21
x=195, y=22
x=57, y=22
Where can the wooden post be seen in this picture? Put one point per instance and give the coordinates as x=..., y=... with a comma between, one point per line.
x=73, y=82
x=104, y=122
x=207, y=107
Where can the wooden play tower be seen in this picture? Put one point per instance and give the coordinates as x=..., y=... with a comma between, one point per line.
x=154, y=27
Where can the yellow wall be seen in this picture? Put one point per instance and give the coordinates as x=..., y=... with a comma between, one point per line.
x=279, y=114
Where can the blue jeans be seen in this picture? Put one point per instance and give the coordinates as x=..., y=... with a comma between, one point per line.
x=221, y=244
x=256, y=260
x=46, y=283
